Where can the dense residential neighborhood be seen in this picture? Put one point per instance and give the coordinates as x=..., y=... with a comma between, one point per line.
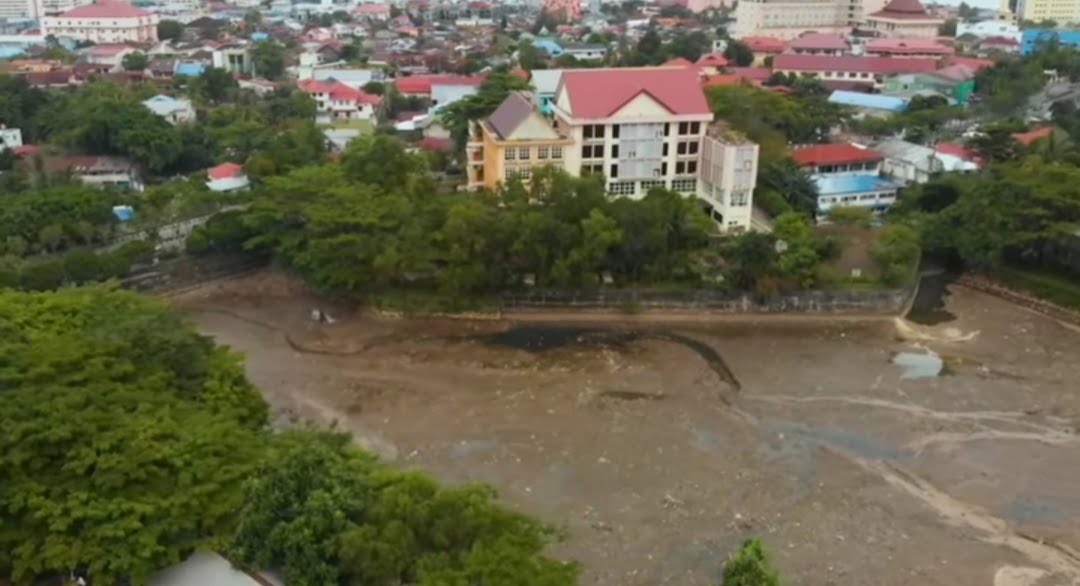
x=790, y=191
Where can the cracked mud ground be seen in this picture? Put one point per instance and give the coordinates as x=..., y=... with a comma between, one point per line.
x=660, y=460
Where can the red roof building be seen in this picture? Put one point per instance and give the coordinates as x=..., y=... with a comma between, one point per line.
x=677, y=62
x=904, y=18
x=901, y=47
x=764, y=45
x=851, y=67
x=819, y=44
x=713, y=60
x=974, y=63
x=728, y=79
x=601, y=93
x=225, y=171
x=759, y=74
x=107, y=21
x=337, y=91
x=839, y=157
x=420, y=85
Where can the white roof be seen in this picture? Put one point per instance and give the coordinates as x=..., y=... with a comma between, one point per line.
x=546, y=80
x=204, y=568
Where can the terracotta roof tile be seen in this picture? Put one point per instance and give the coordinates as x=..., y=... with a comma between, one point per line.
x=108, y=9
x=599, y=93
x=878, y=65
x=834, y=154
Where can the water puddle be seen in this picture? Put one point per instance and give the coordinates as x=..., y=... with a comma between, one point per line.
x=633, y=395
x=919, y=364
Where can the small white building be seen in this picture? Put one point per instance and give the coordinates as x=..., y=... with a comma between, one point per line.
x=173, y=110
x=907, y=162
x=234, y=58
x=336, y=101
x=110, y=21
x=10, y=138
x=729, y=165
x=990, y=28
x=227, y=177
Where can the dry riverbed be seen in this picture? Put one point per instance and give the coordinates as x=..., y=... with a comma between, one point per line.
x=862, y=451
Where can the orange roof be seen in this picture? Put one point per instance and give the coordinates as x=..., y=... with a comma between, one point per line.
x=834, y=154
x=1026, y=138
x=677, y=62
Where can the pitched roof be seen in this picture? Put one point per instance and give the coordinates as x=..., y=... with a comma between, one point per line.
x=812, y=41
x=878, y=65
x=972, y=62
x=903, y=9
x=834, y=154
x=713, y=60
x=338, y=91
x=764, y=44
x=761, y=74
x=421, y=84
x=225, y=171
x=106, y=9
x=907, y=46
x=514, y=110
x=678, y=62
x=599, y=93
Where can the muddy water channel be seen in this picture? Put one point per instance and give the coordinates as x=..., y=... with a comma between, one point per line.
x=885, y=452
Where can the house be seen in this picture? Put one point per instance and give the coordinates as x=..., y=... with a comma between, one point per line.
x=1032, y=136
x=904, y=18
x=1035, y=38
x=866, y=191
x=372, y=12
x=566, y=10
x=989, y=28
x=550, y=47
x=10, y=138
x=811, y=43
x=336, y=101
x=907, y=162
x=712, y=63
x=421, y=85
x=448, y=90
x=841, y=158
x=870, y=70
x=955, y=158
x=585, y=51
x=97, y=171
x=109, y=56
x=227, y=177
x=234, y=58
x=764, y=47
x=955, y=83
x=1000, y=44
x=902, y=47
x=511, y=142
x=173, y=110
x=108, y=21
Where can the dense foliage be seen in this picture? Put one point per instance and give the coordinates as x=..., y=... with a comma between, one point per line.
x=750, y=567
x=127, y=441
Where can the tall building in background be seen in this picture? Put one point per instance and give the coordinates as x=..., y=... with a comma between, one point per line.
x=1061, y=11
x=44, y=8
x=566, y=9
x=787, y=19
x=105, y=22
x=17, y=9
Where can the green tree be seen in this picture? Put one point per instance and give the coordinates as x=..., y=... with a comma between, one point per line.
x=489, y=95
x=750, y=567
x=137, y=61
x=896, y=251
x=170, y=30
x=269, y=59
x=213, y=84
x=790, y=182
x=799, y=256
x=376, y=88
x=851, y=216
x=738, y=53
x=106, y=397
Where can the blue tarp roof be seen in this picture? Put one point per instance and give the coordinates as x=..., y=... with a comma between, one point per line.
x=191, y=69
x=846, y=184
x=873, y=101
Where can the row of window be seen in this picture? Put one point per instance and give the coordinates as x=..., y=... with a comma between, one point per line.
x=851, y=167
x=681, y=168
x=596, y=151
x=525, y=153
x=598, y=131
x=632, y=187
x=854, y=198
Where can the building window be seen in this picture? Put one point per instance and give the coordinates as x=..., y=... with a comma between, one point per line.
x=556, y=152
x=651, y=183
x=692, y=147
x=542, y=153
x=614, y=131
x=667, y=129
x=511, y=172
x=621, y=187
x=592, y=151
x=695, y=127
x=592, y=169
x=510, y=154
x=594, y=131
x=614, y=171
x=525, y=172
x=665, y=152
x=614, y=151
x=684, y=185
x=739, y=198
x=523, y=153
x=684, y=128
x=663, y=169
x=691, y=167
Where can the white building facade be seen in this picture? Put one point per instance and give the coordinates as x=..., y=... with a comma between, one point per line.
x=106, y=22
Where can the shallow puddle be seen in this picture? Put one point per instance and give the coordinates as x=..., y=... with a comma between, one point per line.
x=916, y=364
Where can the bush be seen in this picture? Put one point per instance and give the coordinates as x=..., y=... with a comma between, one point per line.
x=750, y=567
x=897, y=252
x=851, y=216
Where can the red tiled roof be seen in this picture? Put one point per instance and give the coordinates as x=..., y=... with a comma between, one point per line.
x=713, y=60
x=903, y=46
x=225, y=171
x=107, y=9
x=372, y=9
x=728, y=79
x=421, y=84
x=949, y=148
x=338, y=91
x=761, y=74
x=834, y=154
x=903, y=9
x=599, y=93
x=26, y=149
x=677, y=62
x=764, y=44
x=819, y=42
x=974, y=63
x=431, y=143
x=1026, y=138
x=877, y=65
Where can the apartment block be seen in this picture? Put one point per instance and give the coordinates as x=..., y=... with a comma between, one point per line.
x=787, y=19
x=1060, y=11
x=638, y=129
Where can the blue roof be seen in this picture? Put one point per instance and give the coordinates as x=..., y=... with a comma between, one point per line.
x=259, y=36
x=190, y=69
x=845, y=184
x=548, y=46
x=873, y=101
x=1034, y=37
x=124, y=213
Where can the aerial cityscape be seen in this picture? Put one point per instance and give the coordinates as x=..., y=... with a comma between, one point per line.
x=539, y=293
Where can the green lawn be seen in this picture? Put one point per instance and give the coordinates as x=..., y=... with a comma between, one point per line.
x=365, y=126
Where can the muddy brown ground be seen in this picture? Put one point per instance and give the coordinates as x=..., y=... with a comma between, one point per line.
x=659, y=466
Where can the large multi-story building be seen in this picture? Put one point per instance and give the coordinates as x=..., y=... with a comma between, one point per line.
x=563, y=9
x=44, y=8
x=787, y=19
x=1060, y=11
x=637, y=128
x=904, y=18
x=105, y=22
x=18, y=9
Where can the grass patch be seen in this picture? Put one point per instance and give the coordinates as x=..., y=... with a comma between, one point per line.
x=425, y=303
x=1052, y=286
x=365, y=126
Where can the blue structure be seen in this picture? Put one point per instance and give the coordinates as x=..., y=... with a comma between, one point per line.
x=868, y=101
x=1035, y=37
x=124, y=213
x=548, y=46
x=259, y=36
x=867, y=191
x=190, y=68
